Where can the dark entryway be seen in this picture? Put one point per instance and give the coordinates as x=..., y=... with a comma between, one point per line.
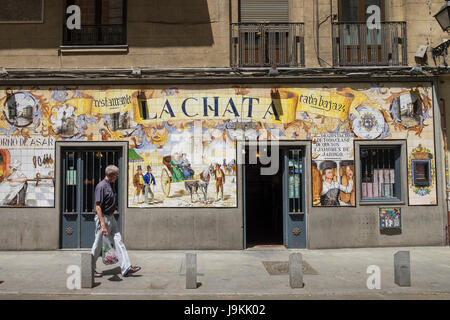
x=264, y=206
x=275, y=203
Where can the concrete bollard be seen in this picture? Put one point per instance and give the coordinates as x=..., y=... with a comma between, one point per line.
x=402, y=269
x=191, y=271
x=87, y=270
x=296, y=270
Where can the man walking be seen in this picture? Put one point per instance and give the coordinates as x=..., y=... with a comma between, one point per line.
x=106, y=225
x=149, y=179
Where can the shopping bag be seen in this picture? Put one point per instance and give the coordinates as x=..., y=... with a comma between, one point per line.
x=108, y=253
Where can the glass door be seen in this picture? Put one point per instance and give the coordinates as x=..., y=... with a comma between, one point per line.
x=82, y=170
x=294, y=207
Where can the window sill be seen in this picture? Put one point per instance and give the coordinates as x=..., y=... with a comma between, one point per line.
x=94, y=49
x=381, y=203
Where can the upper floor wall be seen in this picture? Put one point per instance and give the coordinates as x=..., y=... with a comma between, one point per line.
x=196, y=33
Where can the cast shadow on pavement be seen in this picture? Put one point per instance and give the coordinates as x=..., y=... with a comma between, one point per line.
x=116, y=272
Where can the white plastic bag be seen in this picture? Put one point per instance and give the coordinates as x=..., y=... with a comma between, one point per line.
x=108, y=253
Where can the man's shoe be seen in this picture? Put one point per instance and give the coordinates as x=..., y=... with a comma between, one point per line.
x=97, y=274
x=131, y=270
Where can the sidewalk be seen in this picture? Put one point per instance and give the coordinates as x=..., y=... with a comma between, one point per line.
x=340, y=273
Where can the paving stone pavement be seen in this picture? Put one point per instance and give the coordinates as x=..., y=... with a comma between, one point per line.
x=340, y=273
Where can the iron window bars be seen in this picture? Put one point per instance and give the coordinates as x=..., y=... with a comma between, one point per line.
x=380, y=173
x=354, y=44
x=267, y=44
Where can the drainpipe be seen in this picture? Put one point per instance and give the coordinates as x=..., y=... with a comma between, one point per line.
x=447, y=187
x=317, y=28
x=317, y=31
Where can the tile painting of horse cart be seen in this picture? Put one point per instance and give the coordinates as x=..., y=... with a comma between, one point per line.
x=181, y=175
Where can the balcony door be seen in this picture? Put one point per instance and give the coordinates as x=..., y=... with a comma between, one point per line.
x=265, y=32
x=356, y=39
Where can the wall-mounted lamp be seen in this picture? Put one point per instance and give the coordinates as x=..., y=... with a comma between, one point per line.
x=443, y=18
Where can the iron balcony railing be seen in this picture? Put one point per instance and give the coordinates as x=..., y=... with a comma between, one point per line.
x=354, y=44
x=267, y=44
x=111, y=34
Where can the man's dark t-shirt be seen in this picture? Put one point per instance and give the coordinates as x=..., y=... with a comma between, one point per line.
x=105, y=195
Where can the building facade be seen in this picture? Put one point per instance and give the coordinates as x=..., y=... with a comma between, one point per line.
x=234, y=123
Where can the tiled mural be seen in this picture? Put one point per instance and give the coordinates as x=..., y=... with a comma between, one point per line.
x=182, y=141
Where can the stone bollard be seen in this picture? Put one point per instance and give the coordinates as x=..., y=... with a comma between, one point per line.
x=87, y=270
x=296, y=270
x=402, y=269
x=191, y=271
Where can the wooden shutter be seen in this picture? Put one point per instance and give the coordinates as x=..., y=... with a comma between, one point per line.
x=264, y=10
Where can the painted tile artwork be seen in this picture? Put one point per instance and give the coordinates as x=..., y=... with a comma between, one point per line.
x=182, y=141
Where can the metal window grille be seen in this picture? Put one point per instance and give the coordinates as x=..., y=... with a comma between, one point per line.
x=267, y=44
x=83, y=170
x=355, y=44
x=102, y=23
x=380, y=173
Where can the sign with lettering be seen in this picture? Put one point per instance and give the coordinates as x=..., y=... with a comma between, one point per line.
x=333, y=146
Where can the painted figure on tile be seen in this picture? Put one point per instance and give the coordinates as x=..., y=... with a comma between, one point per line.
x=317, y=183
x=346, y=170
x=18, y=186
x=138, y=182
x=149, y=179
x=185, y=166
x=220, y=181
x=330, y=189
x=177, y=174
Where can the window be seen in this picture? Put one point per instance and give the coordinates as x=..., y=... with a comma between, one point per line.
x=354, y=43
x=103, y=22
x=268, y=11
x=380, y=173
x=265, y=37
x=356, y=10
x=421, y=172
x=22, y=11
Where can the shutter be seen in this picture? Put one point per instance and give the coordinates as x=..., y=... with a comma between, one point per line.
x=264, y=11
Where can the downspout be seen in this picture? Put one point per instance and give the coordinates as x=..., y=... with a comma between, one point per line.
x=317, y=27
x=447, y=187
x=317, y=32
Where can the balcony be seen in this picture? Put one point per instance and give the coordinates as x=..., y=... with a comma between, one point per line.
x=95, y=35
x=354, y=44
x=267, y=44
